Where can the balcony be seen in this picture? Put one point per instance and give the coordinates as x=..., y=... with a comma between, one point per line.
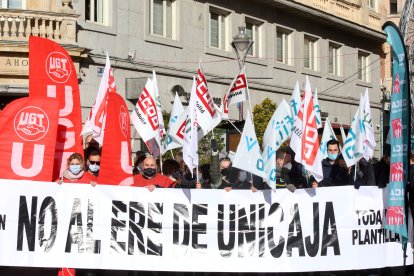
x=350, y=10
x=18, y=25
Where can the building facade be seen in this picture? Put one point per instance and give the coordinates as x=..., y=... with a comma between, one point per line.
x=337, y=43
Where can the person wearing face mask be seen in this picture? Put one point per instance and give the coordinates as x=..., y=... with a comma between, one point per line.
x=219, y=169
x=150, y=178
x=75, y=171
x=93, y=161
x=334, y=173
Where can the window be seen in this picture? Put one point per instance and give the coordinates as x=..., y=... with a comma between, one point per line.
x=393, y=7
x=97, y=11
x=334, y=59
x=363, y=73
x=309, y=52
x=218, y=29
x=372, y=4
x=283, y=45
x=13, y=4
x=253, y=31
x=162, y=18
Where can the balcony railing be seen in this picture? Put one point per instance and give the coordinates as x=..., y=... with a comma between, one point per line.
x=350, y=10
x=20, y=24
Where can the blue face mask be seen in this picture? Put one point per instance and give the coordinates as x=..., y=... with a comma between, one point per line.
x=332, y=156
x=75, y=169
x=94, y=168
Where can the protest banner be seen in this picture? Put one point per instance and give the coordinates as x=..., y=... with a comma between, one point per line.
x=45, y=224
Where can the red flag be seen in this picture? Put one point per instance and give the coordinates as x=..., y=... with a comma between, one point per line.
x=28, y=139
x=52, y=74
x=116, y=164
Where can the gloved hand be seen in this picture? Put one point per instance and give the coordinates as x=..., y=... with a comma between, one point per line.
x=214, y=145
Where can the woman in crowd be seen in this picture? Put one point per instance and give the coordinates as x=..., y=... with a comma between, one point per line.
x=75, y=171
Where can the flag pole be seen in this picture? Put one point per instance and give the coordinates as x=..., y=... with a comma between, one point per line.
x=235, y=127
x=172, y=154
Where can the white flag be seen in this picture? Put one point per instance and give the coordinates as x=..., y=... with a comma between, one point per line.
x=370, y=143
x=327, y=135
x=343, y=135
x=170, y=140
x=305, y=140
x=280, y=126
x=353, y=149
x=317, y=109
x=236, y=93
x=145, y=117
x=295, y=101
x=190, y=144
x=96, y=120
x=248, y=156
x=161, y=127
x=205, y=109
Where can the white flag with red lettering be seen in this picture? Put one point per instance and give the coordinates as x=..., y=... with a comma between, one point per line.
x=95, y=122
x=235, y=94
x=205, y=109
x=144, y=117
x=305, y=140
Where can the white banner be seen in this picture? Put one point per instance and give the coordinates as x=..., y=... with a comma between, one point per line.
x=45, y=224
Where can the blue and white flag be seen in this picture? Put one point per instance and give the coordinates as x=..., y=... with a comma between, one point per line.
x=171, y=141
x=248, y=156
x=369, y=129
x=295, y=101
x=279, y=127
x=317, y=109
x=327, y=135
x=353, y=149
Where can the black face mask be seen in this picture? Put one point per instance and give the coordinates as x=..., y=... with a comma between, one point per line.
x=149, y=172
x=224, y=172
x=176, y=174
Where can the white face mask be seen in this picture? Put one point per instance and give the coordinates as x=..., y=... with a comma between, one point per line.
x=242, y=176
x=94, y=168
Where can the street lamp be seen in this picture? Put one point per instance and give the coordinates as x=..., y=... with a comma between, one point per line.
x=241, y=44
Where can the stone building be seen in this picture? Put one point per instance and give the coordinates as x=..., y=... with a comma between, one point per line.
x=337, y=43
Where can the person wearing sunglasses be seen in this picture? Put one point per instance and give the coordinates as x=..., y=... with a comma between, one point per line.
x=93, y=161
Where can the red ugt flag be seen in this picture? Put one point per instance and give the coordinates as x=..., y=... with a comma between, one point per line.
x=52, y=74
x=28, y=138
x=116, y=164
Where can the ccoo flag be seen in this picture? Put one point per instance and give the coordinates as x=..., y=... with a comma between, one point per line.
x=237, y=93
x=305, y=140
x=400, y=132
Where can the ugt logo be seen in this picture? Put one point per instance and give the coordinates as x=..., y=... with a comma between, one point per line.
x=397, y=172
x=58, y=67
x=31, y=123
x=396, y=128
x=396, y=85
x=123, y=115
x=395, y=215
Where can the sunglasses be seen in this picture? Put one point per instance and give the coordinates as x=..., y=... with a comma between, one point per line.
x=94, y=162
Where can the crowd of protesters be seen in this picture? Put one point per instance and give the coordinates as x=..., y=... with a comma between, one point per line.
x=220, y=174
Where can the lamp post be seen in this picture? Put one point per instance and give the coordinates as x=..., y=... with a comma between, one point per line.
x=241, y=45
